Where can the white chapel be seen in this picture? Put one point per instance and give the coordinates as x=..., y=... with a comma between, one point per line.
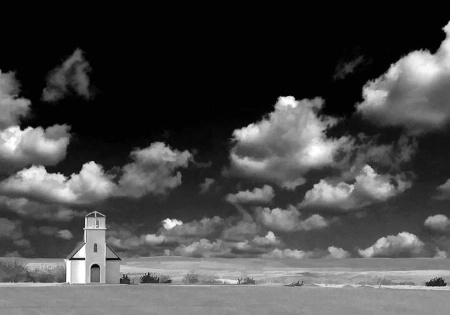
x=93, y=261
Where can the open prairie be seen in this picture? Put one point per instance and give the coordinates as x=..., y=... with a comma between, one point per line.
x=356, y=271
x=331, y=286
x=219, y=299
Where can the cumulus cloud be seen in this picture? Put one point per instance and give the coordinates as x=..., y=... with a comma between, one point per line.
x=269, y=240
x=240, y=231
x=12, y=230
x=124, y=238
x=70, y=77
x=154, y=170
x=201, y=248
x=287, y=253
x=40, y=211
x=169, y=224
x=440, y=254
x=12, y=107
x=362, y=150
x=368, y=188
x=64, y=234
x=19, y=148
x=206, y=185
x=443, y=191
x=404, y=244
x=193, y=229
x=90, y=185
x=288, y=220
x=336, y=252
x=285, y=145
x=438, y=223
x=257, y=195
x=413, y=93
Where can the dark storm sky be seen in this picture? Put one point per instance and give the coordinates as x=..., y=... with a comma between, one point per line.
x=180, y=91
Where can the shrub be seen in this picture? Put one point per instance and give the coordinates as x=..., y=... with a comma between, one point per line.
x=436, y=282
x=190, y=278
x=14, y=271
x=125, y=279
x=246, y=280
x=149, y=278
x=48, y=275
x=165, y=279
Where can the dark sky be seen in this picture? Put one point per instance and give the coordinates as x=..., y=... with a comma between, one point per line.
x=324, y=171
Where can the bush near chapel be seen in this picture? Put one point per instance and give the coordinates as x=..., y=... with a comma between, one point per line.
x=154, y=278
x=436, y=282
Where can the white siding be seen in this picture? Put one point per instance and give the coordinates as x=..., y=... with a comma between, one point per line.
x=78, y=274
x=113, y=271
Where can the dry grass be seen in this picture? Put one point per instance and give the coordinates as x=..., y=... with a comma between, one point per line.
x=142, y=299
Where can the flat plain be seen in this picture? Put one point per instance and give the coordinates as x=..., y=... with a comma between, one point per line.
x=219, y=299
x=332, y=286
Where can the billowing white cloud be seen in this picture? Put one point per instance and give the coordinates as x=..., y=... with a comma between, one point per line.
x=257, y=195
x=19, y=148
x=269, y=240
x=193, y=229
x=153, y=171
x=336, y=252
x=12, y=107
x=413, y=93
x=64, y=234
x=368, y=188
x=169, y=224
x=206, y=185
x=89, y=186
x=287, y=253
x=153, y=239
x=70, y=77
x=285, y=145
x=438, y=223
x=289, y=220
x=404, y=244
x=40, y=211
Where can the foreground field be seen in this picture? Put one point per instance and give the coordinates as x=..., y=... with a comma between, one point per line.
x=172, y=299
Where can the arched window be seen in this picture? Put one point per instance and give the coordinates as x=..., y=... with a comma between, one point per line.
x=95, y=247
x=96, y=224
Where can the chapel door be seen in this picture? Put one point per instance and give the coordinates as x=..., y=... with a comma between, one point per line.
x=95, y=273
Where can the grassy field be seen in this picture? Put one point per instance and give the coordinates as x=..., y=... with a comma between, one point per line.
x=223, y=299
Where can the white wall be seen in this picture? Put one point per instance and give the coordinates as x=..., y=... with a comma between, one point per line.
x=113, y=271
x=77, y=271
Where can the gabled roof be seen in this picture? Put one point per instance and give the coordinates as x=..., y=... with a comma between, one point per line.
x=112, y=253
x=75, y=251
x=95, y=214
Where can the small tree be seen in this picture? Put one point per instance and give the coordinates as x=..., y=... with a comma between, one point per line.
x=246, y=280
x=149, y=278
x=436, y=282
